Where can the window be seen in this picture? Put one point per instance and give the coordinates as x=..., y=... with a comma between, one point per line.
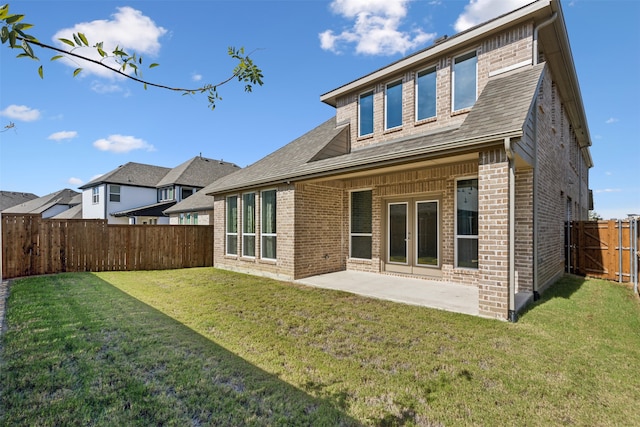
x=195, y=218
x=249, y=224
x=95, y=195
x=181, y=221
x=426, y=94
x=467, y=223
x=165, y=193
x=114, y=193
x=360, y=232
x=186, y=192
x=465, y=81
x=268, y=224
x=393, y=105
x=365, y=114
x=232, y=225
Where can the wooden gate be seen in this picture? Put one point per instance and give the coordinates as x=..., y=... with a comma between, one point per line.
x=603, y=249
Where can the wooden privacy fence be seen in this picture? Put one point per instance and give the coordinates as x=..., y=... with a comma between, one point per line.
x=32, y=245
x=604, y=249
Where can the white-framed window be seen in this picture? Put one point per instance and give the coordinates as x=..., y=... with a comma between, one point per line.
x=360, y=224
x=95, y=195
x=365, y=114
x=268, y=234
x=114, y=193
x=165, y=193
x=232, y=225
x=426, y=92
x=249, y=225
x=393, y=105
x=465, y=81
x=467, y=223
x=181, y=220
x=194, y=218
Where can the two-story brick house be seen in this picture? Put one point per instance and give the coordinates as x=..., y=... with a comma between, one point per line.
x=459, y=163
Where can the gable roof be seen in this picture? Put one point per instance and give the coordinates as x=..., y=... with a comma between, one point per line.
x=198, y=201
x=197, y=172
x=41, y=204
x=497, y=114
x=74, y=212
x=12, y=198
x=134, y=174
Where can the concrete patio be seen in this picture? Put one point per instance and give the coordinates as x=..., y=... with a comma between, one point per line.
x=427, y=293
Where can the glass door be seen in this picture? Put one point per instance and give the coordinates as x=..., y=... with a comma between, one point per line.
x=398, y=233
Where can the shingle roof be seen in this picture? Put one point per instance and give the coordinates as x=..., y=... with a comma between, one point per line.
x=199, y=201
x=135, y=174
x=41, y=204
x=197, y=172
x=74, y=212
x=12, y=198
x=500, y=111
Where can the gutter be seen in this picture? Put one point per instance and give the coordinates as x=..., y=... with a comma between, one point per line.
x=512, y=314
x=535, y=36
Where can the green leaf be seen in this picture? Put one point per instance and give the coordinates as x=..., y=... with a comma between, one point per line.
x=12, y=38
x=154, y=65
x=77, y=39
x=53, y=58
x=67, y=41
x=23, y=26
x=12, y=19
x=40, y=72
x=76, y=71
x=102, y=52
x=83, y=38
x=4, y=34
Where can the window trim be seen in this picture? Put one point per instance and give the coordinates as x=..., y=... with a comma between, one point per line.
x=428, y=70
x=113, y=193
x=263, y=223
x=226, y=226
x=95, y=195
x=248, y=234
x=464, y=236
x=393, y=84
x=351, y=234
x=453, y=80
x=360, y=96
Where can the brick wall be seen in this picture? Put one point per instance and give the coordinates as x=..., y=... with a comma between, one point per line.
x=511, y=47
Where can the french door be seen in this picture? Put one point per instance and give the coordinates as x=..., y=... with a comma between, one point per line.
x=413, y=243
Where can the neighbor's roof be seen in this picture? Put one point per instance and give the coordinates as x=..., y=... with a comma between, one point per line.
x=134, y=174
x=41, y=204
x=199, y=201
x=497, y=114
x=154, y=209
x=74, y=212
x=197, y=172
x=12, y=198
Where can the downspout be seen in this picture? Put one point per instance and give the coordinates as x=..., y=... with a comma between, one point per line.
x=535, y=36
x=512, y=314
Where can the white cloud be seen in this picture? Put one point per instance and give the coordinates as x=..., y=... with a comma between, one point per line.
x=479, y=11
x=196, y=77
x=122, y=144
x=608, y=190
x=612, y=120
x=75, y=181
x=376, y=28
x=129, y=29
x=62, y=135
x=21, y=112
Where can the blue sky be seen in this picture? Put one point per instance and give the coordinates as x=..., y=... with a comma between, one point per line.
x=69, y=130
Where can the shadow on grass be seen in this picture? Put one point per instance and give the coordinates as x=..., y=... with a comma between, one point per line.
x=564, y=288
x=106, y=358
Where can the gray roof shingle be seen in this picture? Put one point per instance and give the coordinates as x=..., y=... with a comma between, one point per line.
x=12, y=198
x=41, y=204
x=501, y=110
x=134, y=174
x=197, y=172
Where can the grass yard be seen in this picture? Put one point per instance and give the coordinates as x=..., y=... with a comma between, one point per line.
x=209, y=347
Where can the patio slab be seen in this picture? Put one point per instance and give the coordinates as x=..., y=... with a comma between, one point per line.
x=428, y=293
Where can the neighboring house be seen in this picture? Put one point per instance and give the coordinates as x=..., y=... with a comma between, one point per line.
x=12, y=198
x=136, y=193
x=74, y=211
x=47, y=206
x=459, y=163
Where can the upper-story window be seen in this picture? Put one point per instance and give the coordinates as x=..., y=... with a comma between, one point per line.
x=114, y=193
x=426, y=94
x=465, y=81
x=393, y=105
x=95, y=195
x=365, y=114
x=165, y=193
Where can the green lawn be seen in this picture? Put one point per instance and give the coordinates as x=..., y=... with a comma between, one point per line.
x=208, y=347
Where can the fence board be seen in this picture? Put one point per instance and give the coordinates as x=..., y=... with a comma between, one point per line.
x=32, y=246
x=604, y=249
